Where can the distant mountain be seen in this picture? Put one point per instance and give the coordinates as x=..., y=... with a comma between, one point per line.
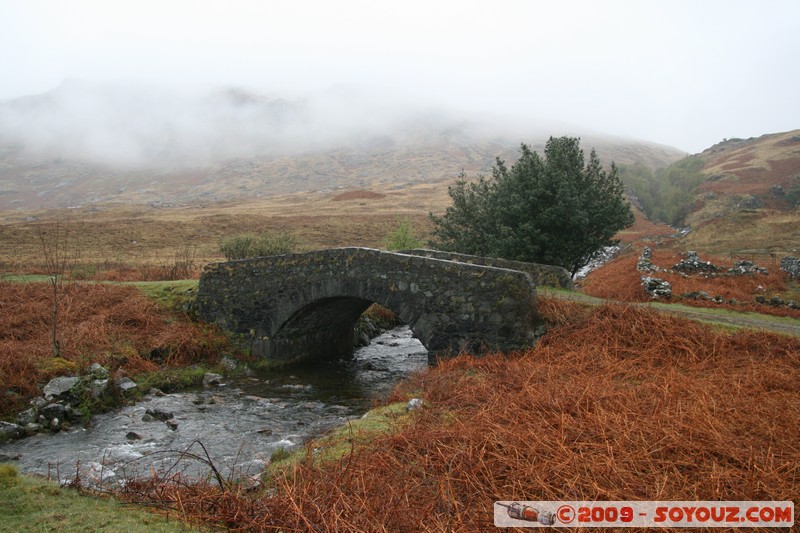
x=86, y=143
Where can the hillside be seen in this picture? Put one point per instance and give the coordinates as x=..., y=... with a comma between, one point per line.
x=740, y=196
x=83, y=144
x=751, y=197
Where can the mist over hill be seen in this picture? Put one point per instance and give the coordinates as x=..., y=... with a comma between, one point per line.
x=85, y=143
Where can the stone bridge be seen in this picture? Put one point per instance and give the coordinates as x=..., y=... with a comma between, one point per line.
x=306, y=305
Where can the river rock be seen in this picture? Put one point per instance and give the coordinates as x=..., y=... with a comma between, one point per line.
x=38, y=402
x=210, y=379
x=159, y=414
x=98, y=387
x=171, y=424
x=228, y=363
x=59, y=387
x=32, y=428
x=98, y=371
x=9, y=431
x=5, y=458
x=125, y=383
x=28, y=416
x=132, y=435
x=55, y=425
x=54, y=410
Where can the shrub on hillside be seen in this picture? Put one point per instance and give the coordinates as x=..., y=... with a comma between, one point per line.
x=247, y=245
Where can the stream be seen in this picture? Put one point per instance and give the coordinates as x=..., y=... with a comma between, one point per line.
x=239, y=423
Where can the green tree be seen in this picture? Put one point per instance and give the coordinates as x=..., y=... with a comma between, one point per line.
x=557, y=209
x=403, y=237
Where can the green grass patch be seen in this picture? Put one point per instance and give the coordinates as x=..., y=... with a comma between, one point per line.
x=724, y=313
x=340, y=442
x=32, y=504
x=25, y=278
x=567, y=294
x=172, y=379
x=169, y=294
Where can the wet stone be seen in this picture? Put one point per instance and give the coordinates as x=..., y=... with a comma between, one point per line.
x=159, y=414
x=28, y=416
x=60, y=386
x=9, y=431
x=211, y=380
x=54, y=411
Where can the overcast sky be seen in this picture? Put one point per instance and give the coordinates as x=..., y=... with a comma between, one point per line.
x=682, y=73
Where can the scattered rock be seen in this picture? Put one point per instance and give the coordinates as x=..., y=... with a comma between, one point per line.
x=32, y=428
x=148, y=418
x=691, y=264
x=4, y=457
x=264, y=431
x=791, y=265
x=125, y=383
x=9, y=431
x=38, y=402
x=413, y=404
x=59, y=387
x=210, y=379
x=98, y=371
x=228, y=363
x=132, y=435
x=55, y=425
x=54, y=411
x=697, y=295
x=746, y=267
x=158, y=393
x=28, y=416
x=645, y=263
x=748, y=201
x=657, y=288
x=98, y=387
x=171, y=424
x=159, y=414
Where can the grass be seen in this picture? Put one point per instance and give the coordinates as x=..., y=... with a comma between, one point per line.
x=33, y=504
x=168, y=294
x=114, y=325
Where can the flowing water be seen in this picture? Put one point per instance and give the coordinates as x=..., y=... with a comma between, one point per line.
x=240, y=423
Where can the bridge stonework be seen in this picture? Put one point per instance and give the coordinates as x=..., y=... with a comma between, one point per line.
x=306, y=305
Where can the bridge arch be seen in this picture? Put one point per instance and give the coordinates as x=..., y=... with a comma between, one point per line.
x=306, y=305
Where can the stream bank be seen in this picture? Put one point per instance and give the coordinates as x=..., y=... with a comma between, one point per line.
x=241, y=422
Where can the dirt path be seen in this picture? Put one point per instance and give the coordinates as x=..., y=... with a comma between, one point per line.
x=785, y=326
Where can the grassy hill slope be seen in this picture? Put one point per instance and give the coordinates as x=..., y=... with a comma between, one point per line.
x=750, y=200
